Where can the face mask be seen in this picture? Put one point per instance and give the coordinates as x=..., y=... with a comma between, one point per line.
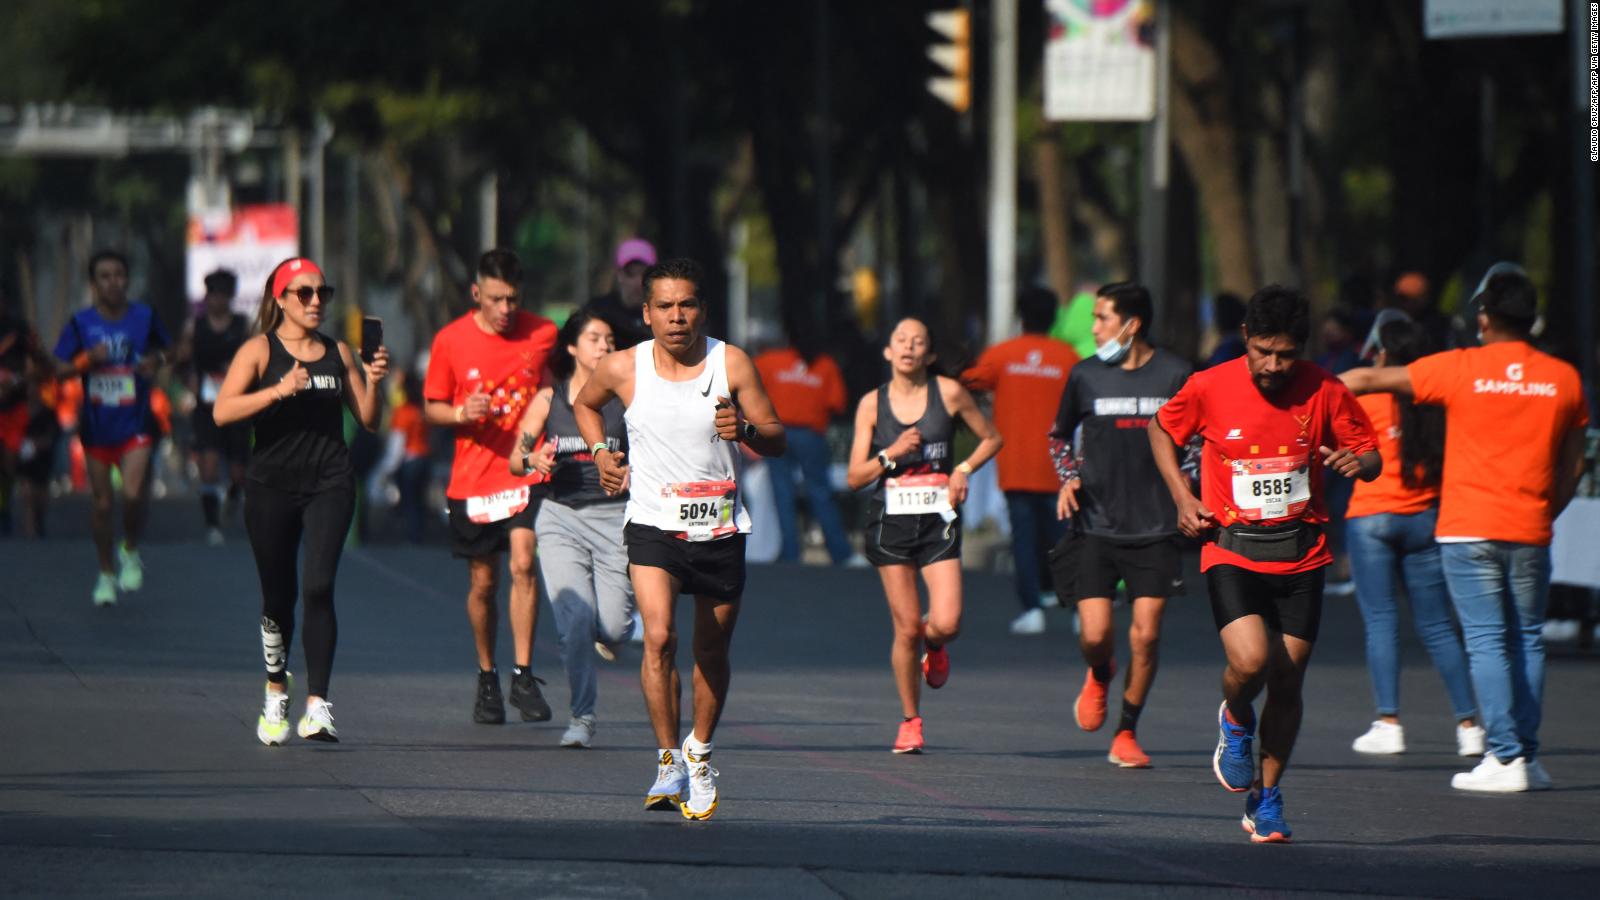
x=1115, y=350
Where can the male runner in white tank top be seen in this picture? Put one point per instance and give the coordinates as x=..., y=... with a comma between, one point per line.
x=689, y=400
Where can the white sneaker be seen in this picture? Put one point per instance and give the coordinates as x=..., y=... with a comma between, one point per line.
x=580, y=731
x=1339, y=589
x=702, y=800
x=1494, y=776
x=1030, y=622
x=214, y=537
x=1538, y=778
x=857, y=561
x=317, y=723
x=272, y=728
x=1048, y=600
x=131, y=578
x=672, y=782
x=105, y=590
x=1469, y=740
x=1559, y=631
x=604, y=651
x=1382, y=739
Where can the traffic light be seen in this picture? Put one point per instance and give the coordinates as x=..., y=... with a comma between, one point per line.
x=953, y=55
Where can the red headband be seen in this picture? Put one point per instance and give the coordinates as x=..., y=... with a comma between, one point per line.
x=286, y=273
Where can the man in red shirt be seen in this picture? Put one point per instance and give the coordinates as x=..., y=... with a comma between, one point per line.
x=1269, y=422
x=808, y=392
x=1027, y=375
x=484, y=369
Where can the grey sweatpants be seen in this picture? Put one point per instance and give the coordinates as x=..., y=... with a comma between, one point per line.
x=585, y=569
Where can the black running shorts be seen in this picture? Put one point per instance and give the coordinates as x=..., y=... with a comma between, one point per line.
x=920, y=540
x=232, y=441
x=1291, y=604
x=1150, y=569
x=472, y=540
x=712, y=568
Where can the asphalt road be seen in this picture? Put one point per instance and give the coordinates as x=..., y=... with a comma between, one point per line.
x=129, y=764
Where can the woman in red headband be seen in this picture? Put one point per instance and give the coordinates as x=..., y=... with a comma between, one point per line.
x=293, y=384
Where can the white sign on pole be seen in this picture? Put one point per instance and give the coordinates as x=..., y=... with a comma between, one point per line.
x=1491, y=18
x=1100, y=60
x=250, y=241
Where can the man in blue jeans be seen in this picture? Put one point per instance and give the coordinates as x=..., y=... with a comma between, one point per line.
x=1513, y=454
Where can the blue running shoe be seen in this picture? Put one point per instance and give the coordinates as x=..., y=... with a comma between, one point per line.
x=1263, y=817
x=1235, y=761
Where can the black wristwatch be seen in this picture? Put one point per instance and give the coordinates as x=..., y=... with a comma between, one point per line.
x=749, y=432
x=527, y=467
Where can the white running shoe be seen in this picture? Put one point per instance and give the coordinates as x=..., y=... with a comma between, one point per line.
x=317, y=723
x=703, y=798
x=131, y=578
x=272, y=728
x=214, y=537
x=580, y=731
x=1030, y=622
x=1493, y=776
x=672, y=782
x=1469, y=741
x=604, y=651
x=1049, y=600
x=1382, y=739
x=105, y=590
x=1538, y=778
x=857, y=561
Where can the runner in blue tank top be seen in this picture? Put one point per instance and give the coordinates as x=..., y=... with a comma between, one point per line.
x=116, y=347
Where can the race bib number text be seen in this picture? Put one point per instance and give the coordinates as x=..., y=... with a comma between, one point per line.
x=111, y=389
x=702, y=509
x=915, y=495
x=497, y=507
x=1274, y=488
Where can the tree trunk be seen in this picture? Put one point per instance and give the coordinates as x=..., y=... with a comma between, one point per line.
x=1203, y=126
x=1054, y=221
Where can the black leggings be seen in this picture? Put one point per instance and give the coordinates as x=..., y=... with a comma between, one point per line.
x=276, y=520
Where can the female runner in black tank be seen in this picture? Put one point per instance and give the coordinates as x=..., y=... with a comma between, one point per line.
x=581, y=556
x=914, y=520
x=295, y=384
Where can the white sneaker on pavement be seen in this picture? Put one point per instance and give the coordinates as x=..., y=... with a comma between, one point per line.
x=1030, y=622
x=580, y=731
x=1494, y=777
x=317, y=723
x=1470, y=740
x=702, y=800
x=1382, y=739
x=105, y=590
x=672, y=782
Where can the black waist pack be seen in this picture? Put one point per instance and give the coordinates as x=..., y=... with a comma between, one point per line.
x=1273, y=543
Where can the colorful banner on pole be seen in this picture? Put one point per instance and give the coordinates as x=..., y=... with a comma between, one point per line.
x=1491, y=18
x=1100, y=60
x=249, y=240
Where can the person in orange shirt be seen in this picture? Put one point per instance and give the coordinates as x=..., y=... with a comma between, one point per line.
x=1027, y=375
x=808, y=392
x=406, y=458
x=1390, y=526
x=1513, y=455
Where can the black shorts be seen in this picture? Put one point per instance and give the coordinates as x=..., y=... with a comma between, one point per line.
x=703, y=568
x=1291, y=604
x=232, y=441
x=471, y=540
x=1149, y=569
x=920, y=540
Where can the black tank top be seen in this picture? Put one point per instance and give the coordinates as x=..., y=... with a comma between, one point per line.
x=213, y=350
x=938, y=435
x=299, y=442
x=576, y=479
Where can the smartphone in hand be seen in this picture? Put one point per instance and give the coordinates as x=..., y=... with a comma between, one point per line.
x=371, y=337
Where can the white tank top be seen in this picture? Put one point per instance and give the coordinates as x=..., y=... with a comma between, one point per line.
x=684, y=478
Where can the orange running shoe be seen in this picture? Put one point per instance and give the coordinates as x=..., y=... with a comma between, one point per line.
x=910, y=738
x=1090, y=708
x=936, y=669
x=1126, y=752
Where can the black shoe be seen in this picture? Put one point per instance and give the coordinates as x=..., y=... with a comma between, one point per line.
x=526, y=698
x=490, y=708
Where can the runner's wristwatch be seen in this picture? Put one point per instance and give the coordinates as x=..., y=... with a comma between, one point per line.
x=599, y=445
x=888, y=464
x=748, y=432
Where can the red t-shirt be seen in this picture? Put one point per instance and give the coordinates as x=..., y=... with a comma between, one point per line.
x=805, y=396
x=508, y=367
x=1027, y=375
x=1260, y=463
x=1509, y=409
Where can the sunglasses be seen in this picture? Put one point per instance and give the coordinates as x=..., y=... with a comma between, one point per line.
x=306, y=292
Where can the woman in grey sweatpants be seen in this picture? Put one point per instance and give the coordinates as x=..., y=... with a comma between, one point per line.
x=581, y=555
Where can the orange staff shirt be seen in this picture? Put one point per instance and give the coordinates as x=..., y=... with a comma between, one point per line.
x=805, y=395
x=1027, y=375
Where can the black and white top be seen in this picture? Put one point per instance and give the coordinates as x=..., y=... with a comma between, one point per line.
x=575, y=480
x=1123, y=496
